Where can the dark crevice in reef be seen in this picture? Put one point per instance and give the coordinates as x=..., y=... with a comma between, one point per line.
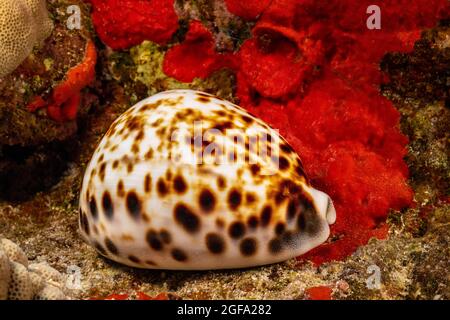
x=423, y=74
x=25, y=171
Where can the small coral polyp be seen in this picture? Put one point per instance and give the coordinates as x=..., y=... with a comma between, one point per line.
x=24, y=24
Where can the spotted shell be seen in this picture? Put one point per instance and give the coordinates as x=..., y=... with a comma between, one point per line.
x=159, y=193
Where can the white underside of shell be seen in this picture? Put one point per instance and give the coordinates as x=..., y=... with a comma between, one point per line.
x=135, y=209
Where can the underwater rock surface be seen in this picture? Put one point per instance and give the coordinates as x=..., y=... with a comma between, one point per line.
x=412, y=263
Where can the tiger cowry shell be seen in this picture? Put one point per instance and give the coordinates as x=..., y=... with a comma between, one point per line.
x=147, y=202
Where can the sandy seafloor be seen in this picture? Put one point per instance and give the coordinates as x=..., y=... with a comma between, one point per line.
x=414, y=262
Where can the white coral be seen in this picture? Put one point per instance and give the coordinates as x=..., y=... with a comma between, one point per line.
x=20, y=281
x=5, y=275
x=13, y=252
x=50, y=292
x=20, y=287
x=23, y=24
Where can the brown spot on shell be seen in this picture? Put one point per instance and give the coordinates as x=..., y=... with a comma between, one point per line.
x=127, y=237
x=301, y=221
x=134, y=259
x=247, y=119
x=292, y=208
x=203, y=99
x=145, y=217
x=308, y=220
x=207, y=200
x=99, y=248
x=168, y=175
x=252, y=222
x=93, y=173
x=250, y=198
x=130, y=167
x=179, y=255
x=288, y=189
x=165, y=236
x=299, y=170
x=148, y=183
x=107, y=203
x=221, y=183
x=150, y=263
x=151, y=106
x=162, y=187
x=173, y=102
x=134, y=123
x=279, y=228
x=111, y=246
x=266, y=215
x=101, y=173
x=186, y=218
x=288, y=238
x=84, y=223
x=234, y=199
x=255, y=169
x=223, y=126
x=215, y=243
x=236, y=230
x=134, y=204
x=179, y=184
x=204, y=94
x=120, y=189
x=283, y=163
x=248, y=246
x=140, y=136
x=153, y=240
x=220, y=223
x=135, y=148
x=286, y=148
x=93, y=207
x=275, y=246
x=221, y=113
x=157, y=122
x=149, y=154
